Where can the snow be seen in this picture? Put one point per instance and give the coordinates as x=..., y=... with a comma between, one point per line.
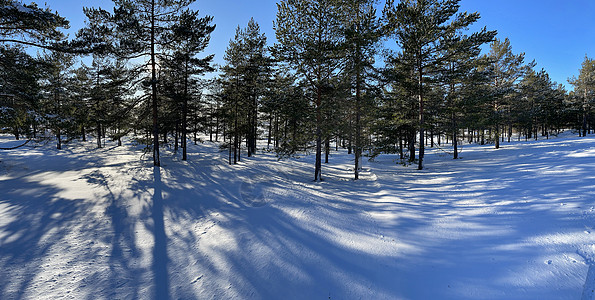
x=86, y=223
x=19, y=7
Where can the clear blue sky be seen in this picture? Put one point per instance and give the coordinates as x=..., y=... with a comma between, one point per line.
x=557, y=34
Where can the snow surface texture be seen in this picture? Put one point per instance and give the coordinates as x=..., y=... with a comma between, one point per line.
x=85, y=223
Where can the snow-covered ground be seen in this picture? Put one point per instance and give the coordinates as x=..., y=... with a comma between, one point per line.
x=86, y=223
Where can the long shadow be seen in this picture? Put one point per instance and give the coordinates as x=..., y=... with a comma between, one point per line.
x=35, y=221
x=314, y=240
x=52, y=241
x=160, y=257
x=217, y=265
x=486, y=231
x=124, y=277
x=509, y=211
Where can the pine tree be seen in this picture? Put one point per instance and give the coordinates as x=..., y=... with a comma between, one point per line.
x=19, y=90
x=310, y=39
x=191, y=35
x=106, y=83
x=584, y=89
x=362, y=34
x=30, y=25
x=506, y=69
x=461, y=79
x=234, y=94
x=139, y=29
x=212, y=98
x=289, y=113
x=58, y=80
x=425, y=30
x=246, y=74
x=398, y=111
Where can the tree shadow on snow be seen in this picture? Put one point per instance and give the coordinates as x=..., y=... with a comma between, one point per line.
x=262, y=230
x=52, y=241
x=34, y=220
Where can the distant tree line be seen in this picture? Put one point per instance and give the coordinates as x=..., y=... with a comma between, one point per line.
x=341, y=74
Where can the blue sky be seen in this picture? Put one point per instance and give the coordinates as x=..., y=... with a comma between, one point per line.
x=557, y=34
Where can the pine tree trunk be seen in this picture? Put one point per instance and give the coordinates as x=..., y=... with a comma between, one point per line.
x=229, y=147
x=584, y=124
x=276, y=143
x=401, y=154
x=327, y=149
x=270, y=133
x=211, y=125
x=156, y=159
x=217, y=129
x=235, y=136
x=503, y=130
x=411, y=145
x=185, y=116
x=497, y=137
x=455, y=139
x=358, y=129
x=99, y=134
x=432, y=138
x=59, y=138
x=497, y=127
x=254, y=125
x=176, y=136
x=421, y=116
x=318, y=163
x=350, y=141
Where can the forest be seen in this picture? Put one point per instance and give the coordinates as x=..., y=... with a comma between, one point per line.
x=369, y=150
x=391, y=79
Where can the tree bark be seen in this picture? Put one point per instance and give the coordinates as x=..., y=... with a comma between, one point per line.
x=327, y=149
x=185, y=115
x=99, y=134
x=455, y=139
x=318, y=163
x=156, y=159
x=421, y=116
x=411, y=144
x=358, y=128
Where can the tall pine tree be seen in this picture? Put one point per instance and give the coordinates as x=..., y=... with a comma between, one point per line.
x=362, y=34
x=140, y=29
x=584, y=89
x=506, y=69
x=191, y=36
x=310, y=39
x=425, y=30
x=246, y=74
